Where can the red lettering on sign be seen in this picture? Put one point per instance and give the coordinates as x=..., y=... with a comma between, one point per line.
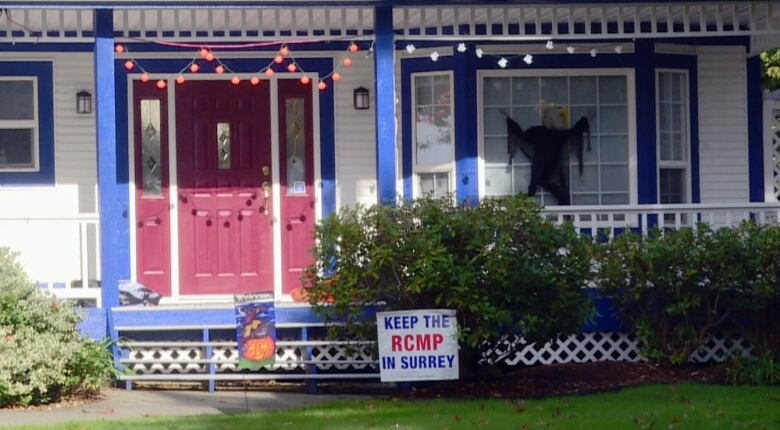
x=437, y=340
x=423, y=342
x=395, y=342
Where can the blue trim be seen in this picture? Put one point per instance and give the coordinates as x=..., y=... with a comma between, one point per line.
x=409, y=67
x=384, y=70
x=647, y=168
x=109, y=183
x=755, y=129
x=690, y=64
x=94, y=323
x=42, y=70
x=466, y=149
x=46, y=47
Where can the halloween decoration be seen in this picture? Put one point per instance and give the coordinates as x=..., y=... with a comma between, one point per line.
x=255, y=330
x=544, y=146
x=133, y=293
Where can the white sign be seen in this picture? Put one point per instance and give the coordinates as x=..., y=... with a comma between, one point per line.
x=417, y=345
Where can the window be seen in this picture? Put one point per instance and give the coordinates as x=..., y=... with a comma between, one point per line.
x=18, y=124
x=434, y=148
x=673, y=141
x=558, y=98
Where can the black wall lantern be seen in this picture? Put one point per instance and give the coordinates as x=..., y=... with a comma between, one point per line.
x=83, y=102
x=361, y=98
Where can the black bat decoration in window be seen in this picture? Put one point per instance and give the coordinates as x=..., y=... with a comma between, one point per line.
x=544, y=147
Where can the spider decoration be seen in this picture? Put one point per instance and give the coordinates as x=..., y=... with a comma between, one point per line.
x=544, y=146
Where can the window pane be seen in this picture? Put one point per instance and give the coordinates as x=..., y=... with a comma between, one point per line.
x=434, y=184
x=433, y=136
x=665, y=140
x=17, y=100
x=613, y=119
x=495, y=124
x=296, y=145
x=672, y=185
x=555, y=91
x=613, y=148
x=612, y=89
x=589, y=181
x=16, y=148
x=423, y=89
x=223, y=145
x=614, y=199
x=496, y=151
x=151, y=168
x=585, y=199
x=498, y=180
x=496, y=92
x=614, y=178
x=522, y=178
x=583, y=90
x=525, y=91
x=441, y=89
x=525, y=116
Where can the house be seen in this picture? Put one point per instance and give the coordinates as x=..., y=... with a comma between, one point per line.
x=191, y=146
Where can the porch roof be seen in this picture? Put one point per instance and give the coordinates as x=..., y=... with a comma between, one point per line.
x=514, y=20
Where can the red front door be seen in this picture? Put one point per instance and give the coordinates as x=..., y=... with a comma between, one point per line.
x=223, y=154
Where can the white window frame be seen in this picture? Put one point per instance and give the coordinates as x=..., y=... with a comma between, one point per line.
x=674, y=164
x=628, y=73
x=25, y=124
x=448, y=168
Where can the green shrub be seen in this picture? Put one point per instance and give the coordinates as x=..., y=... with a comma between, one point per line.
x=42, y=354
x=758, y=369
x=678, y=287
x=499, y=264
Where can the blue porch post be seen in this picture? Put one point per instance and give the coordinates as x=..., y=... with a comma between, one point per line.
x=105, y=118
x=384, y=71
x=755, y=129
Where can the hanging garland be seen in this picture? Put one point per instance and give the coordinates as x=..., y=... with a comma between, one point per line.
x=205, y=53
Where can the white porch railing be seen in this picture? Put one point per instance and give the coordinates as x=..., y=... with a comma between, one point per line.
x=609, y=220
x=61, y=254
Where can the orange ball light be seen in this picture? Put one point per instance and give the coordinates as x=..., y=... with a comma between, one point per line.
x=278, y=59
x=129, y=65
x=291, y=67
x=219, y=69
x=269, y=72
x=204, y=52
x=119, y=49
x=180, y=79
x=285, y=51
x=194, y=68
x=353, y=47
x=209, y=57
x=336, y=76
x=255, y=80
x=145, y=77
x=322, y=85
x=235, y=81
x=347, y=62
x=161, y=84
x=305, y=80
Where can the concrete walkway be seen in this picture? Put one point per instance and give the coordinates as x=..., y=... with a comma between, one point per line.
x=118, y=404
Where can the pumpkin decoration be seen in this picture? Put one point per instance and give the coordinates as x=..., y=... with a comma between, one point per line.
x=299, y=295
x=259, y=349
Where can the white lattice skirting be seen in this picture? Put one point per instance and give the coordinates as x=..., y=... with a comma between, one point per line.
x=599, y=346
x=193, y=359
x=514, y=351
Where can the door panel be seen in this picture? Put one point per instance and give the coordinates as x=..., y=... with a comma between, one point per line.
x=152, y=220
x=296, y=161
x=223, y=142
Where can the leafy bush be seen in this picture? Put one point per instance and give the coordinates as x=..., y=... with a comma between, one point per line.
x=499, y=264
x=760, y=369
x=42, y=355
x=679, y=287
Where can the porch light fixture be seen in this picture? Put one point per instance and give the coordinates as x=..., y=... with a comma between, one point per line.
x=361, y=98
x=83, y=102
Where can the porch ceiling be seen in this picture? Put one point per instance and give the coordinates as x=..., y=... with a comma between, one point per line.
x=251, y=20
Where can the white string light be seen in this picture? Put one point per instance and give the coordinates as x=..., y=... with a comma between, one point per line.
x=462, y=47
x=503, y=62
x=550, y=45
x=570, y=49
x=528, y=59
x=435, y=56
x=410, y=48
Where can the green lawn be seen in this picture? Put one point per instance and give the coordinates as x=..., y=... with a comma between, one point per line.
x=685, y=406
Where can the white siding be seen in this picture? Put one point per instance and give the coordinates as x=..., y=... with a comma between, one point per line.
x=355, y=137
x=723, y=131
x=50, y=252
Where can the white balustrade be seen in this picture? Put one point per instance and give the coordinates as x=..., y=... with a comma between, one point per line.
x=60, y=254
